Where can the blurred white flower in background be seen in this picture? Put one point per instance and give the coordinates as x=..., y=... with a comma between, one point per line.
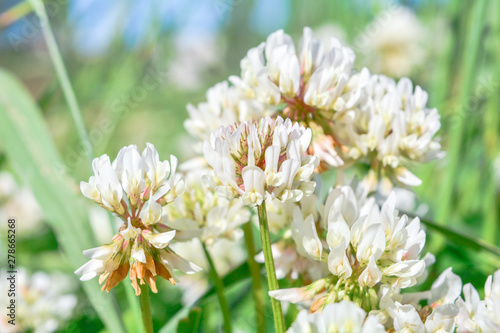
x=407, y=201
x=393, y=43
x=226, y=255
x=224, y=106
x=44, y=302
x=191, y=61
x=202, y=214
x=496, y=167
x=19, y=202
x=103, y=224
x=325, y=33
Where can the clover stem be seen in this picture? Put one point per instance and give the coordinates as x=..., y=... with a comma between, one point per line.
x=279, y=320
x=219, y=288
x=147, y=321
x=256, y=279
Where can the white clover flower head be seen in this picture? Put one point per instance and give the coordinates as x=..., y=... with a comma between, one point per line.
x=256, y=160
x=364, y=245
x=345, y=316
x=316, y=78
x=124, y=186
x=390, y=128
x=135, y=187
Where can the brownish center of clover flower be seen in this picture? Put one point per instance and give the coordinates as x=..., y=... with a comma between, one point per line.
x=265, y=133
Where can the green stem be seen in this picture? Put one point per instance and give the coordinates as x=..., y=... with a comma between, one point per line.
x=147, y=321
x=256, y=279
x=63, y=78
x=134, y=305
x=219, y=287
x=279, y=320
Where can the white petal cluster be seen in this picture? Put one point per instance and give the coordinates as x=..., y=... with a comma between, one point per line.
x=314, y=78
x=44, y=302
x=364, y=245
x=446, y=310
x=224, y=106
x=345, y=316
x=374, y=241
x=405, y=313
x=260, y=159
x=132, y=180
x=200, y=213
x=391, y=127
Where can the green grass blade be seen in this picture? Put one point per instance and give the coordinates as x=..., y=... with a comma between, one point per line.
x=491, y=122
x=455, y=139
x=63, y=78
x=33, y=156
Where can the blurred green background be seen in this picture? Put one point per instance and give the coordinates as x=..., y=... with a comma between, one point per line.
x=134, y=65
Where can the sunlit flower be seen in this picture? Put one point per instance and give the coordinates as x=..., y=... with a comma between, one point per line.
x=256, y=160
x=340, y=317
x=135, y=187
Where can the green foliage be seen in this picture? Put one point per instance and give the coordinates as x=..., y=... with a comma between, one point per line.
x=191, y=323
